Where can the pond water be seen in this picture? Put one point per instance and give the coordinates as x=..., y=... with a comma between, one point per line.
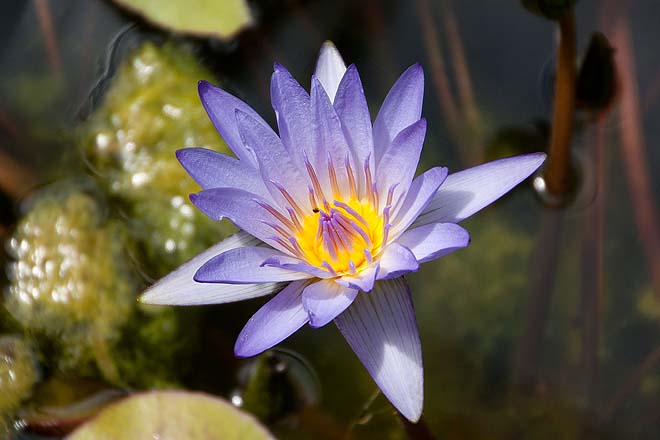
x=547, y=325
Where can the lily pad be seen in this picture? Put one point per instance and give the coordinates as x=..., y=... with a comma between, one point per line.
x=172, y=414
x=221, y=19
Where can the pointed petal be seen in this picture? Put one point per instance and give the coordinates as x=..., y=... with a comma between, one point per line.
x=434, y=240
x=211, y=169
x=353, y=111
x=241, y=207
x=179, y=289
x=381, y=329
x=295, y=264
x=278, y=319
x=292, y=108
x=419, y=195
x=220, y=106
x=397, y=260
x=467, y=192
x=330, y=68
x=325, y=300
x=329, y=140
x=274, y=160
x=401, y=108
x=399, y=162
x=364, y=281
x=245, y=265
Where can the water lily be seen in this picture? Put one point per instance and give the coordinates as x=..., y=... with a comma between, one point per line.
x=332, y=207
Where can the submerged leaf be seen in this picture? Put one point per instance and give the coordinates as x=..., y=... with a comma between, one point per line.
x=221, y=19
x=172, y=415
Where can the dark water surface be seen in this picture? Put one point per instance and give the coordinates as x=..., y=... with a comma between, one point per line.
x=548, y=325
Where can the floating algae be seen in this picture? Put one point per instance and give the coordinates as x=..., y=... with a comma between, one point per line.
x=150, y=111
x=71, y=281
x=18, y=372
x=73, y=288
x=18, y=375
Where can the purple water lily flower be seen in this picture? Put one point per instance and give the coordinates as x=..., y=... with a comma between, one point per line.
x=332, y=207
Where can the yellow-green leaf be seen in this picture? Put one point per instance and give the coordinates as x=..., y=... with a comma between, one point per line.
x=222, y=19
x=171, y=415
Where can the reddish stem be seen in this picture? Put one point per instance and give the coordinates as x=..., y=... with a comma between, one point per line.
x=630, y=386
x=48, y=33
x=438, y=68
x=592, y=265
x=633, y=154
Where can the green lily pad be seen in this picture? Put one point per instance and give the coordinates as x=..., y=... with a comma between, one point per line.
x=172, y=415
x=221, y=19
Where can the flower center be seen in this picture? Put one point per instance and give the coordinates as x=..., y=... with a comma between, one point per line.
x=343, y=237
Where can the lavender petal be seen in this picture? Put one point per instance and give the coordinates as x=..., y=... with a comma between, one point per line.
x=434, y=240
x=245, y=266
x=397, y=260
x=325, y=300
x=330, y=68
x=381, y=329
x=467, y=192
x=275, y=321
x=178, y=288
x=401, y=108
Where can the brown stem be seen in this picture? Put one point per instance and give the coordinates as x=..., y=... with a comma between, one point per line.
x=9, y=126
x=557, y=173
x=538, y=308
x=15, y=179
x=470, y=113
x=630, y=386
x=48, y=33
x=633, y=154
x=438, y=68
x=377, y=27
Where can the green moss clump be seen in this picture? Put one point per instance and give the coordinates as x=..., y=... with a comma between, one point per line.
x=71, y=281
x=150, y=111
x=18, y=373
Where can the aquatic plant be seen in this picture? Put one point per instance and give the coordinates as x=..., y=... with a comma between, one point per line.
x=339, y=214
x=18, y=372
x=150, y=110
x=70, y=281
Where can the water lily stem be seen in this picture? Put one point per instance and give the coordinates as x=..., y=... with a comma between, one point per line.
x=558, y=171
x=470, y=112
x=542, y=284
x=633, y=154
x=622, y=394
x=48, y=32
x=438, y=68
x=15, y=179
x=592, y=266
